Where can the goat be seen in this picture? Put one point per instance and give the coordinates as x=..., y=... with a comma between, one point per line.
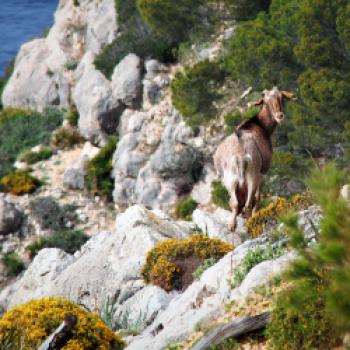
x=243, y=158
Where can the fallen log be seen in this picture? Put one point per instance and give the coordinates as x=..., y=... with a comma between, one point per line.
x=59, y=338
x=233, y=329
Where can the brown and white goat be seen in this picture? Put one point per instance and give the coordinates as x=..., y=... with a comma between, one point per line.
x=243, y=158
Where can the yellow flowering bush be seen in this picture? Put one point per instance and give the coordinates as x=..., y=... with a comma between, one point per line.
x=30, y=324
x=166, y=262
x=20, y=182
x=268, y=216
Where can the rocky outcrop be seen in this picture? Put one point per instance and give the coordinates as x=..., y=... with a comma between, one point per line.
x=156, y=160
x=107, y=267
x=99, y=110
x=11, y=216
x=126, y=81
x=43, y=74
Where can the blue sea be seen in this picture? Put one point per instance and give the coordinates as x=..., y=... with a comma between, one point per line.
x=20, y=21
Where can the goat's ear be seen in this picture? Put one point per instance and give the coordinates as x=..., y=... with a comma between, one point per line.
x=259, y=103
x=289, y=95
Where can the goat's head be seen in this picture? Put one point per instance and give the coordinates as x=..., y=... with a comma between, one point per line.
x=274, y=101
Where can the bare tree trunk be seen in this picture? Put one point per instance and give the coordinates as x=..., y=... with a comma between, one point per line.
x=59, y=338
x=233, y=329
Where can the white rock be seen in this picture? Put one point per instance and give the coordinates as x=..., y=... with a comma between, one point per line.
x=126, y=81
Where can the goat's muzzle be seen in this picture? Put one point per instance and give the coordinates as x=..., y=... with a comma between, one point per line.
x=279, y=117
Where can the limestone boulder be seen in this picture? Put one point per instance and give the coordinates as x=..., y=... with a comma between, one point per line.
x=126, y=81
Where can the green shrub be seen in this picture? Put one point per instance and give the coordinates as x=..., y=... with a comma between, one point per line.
x=306, y=327
x=200, y=269
x=30, y=157
x=184, y=208
x=66, y=137
x=22, y=130
x=220, y=195
x=314, y=312
x=36, y=320
x=195, y=90
x=51, y=216
x=13, y=263
x=254, y=257
x=20, y=182
x=68, y=240
x=174, y=20
x=171, y=263
x=72, y=116
x=243, y=10
x=98, y=170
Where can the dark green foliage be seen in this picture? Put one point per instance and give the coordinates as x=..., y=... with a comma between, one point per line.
x=170, y=19
x=72, y=116
x=22, y=130
x=219, y=195
x=31, y=157
x=316, y=310
x=68, y=240
x=300, y=45
x=184, y=208
x=13, y=263
x=19, y=182
x=51, y=216
x=243, y=10
x=98, y=178
x=195, y=90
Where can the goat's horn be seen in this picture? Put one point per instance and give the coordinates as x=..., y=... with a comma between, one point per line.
x=289, y=95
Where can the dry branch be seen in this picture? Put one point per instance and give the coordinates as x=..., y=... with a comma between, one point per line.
x=233, y=329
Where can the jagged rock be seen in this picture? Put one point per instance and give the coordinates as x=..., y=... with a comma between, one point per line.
x=99, y=111
x=142, y=308
x=309, y=221
x=216, y=225
x=11, y=217
x=46, y=266
x=42, y=76
x=105, y=266
x=155, y=83
x=126, y=81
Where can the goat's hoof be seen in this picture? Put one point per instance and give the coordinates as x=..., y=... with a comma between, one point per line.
x=232, y=227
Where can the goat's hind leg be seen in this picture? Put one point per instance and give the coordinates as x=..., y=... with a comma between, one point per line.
x=234, y=207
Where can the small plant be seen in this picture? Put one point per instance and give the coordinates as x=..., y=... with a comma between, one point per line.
x=51, y=216
x=184, y=208
x=69, y=240
x=108, y=312
x=174, y=347
x=254, y=257
x=71, y=65
x=227, y=344
x=66, y=137
x=206, y=264
x=220, y=195
x=13, y=263
x=31, y=157
x=72, y=116
x=20, y=182
x=98, y=170
x=36, y=320
x=170, y=264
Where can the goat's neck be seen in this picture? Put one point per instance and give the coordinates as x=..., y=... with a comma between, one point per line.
x=266, y=121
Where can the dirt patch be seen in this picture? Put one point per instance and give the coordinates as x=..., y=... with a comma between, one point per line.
x=187, y=266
